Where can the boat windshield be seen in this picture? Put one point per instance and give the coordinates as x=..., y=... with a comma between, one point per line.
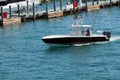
x=81, y=30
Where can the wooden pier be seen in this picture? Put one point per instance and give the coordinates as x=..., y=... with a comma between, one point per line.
x=8, y=21
x=55, y=14
x=11, y=20
x=18, y=18
x=93, y=7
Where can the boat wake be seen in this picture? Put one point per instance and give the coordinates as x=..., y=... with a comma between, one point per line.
x=82, y=44
x=113, y=39
x=90, y=43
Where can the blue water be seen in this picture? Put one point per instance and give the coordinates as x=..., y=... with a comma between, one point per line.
x=23, y=56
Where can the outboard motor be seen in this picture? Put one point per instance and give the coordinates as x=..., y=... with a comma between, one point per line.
x=108, y=34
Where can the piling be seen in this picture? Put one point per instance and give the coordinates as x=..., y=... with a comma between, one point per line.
x=60, y=4
x=54, y=5
x=18, y=10
x=33, y=11
x=86, y=5
x=110, y=3
x=9, y=11
x=73, y=6
x=1, y=22
x=118, y=2
x=27, y=6
x=92, y=2
x=97, y=1
x=46, y=6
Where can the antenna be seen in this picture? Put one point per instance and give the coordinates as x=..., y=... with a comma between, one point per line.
x=78, y=18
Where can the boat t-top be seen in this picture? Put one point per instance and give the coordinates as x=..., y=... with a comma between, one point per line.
x=80, y=34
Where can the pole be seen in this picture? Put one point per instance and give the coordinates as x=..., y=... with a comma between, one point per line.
x=110, y=3
x=54, y=3
x=118, y=2
x=73, y=6
x=2, y=15
x=18, y=10
x=46, y=6
x=33, y=11
x=97, y=1
x=9, y=11
x=60, y=4
x=27, y=6
x=86, y=4
x=92, y=2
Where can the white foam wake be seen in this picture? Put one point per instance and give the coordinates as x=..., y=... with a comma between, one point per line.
x=82, y=44
x=112, y=39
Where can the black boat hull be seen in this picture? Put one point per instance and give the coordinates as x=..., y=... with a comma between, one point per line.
x=74, y=40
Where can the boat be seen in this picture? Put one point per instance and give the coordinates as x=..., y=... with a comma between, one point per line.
x=80, y=34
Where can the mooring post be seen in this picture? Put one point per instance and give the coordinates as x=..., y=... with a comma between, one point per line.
x=110, y=3
x=97, y=1
x=54, y=3
x=33, y=11
x=73, y=5
x=92, y=2
x=1, y=15
x=60, y=4
x=18, y=10
x=46, y=6
x=118, y=2
x=86, y=6
x=27, y=6
x=9, y=11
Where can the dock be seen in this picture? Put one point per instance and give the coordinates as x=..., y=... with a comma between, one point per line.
x=58, y=11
